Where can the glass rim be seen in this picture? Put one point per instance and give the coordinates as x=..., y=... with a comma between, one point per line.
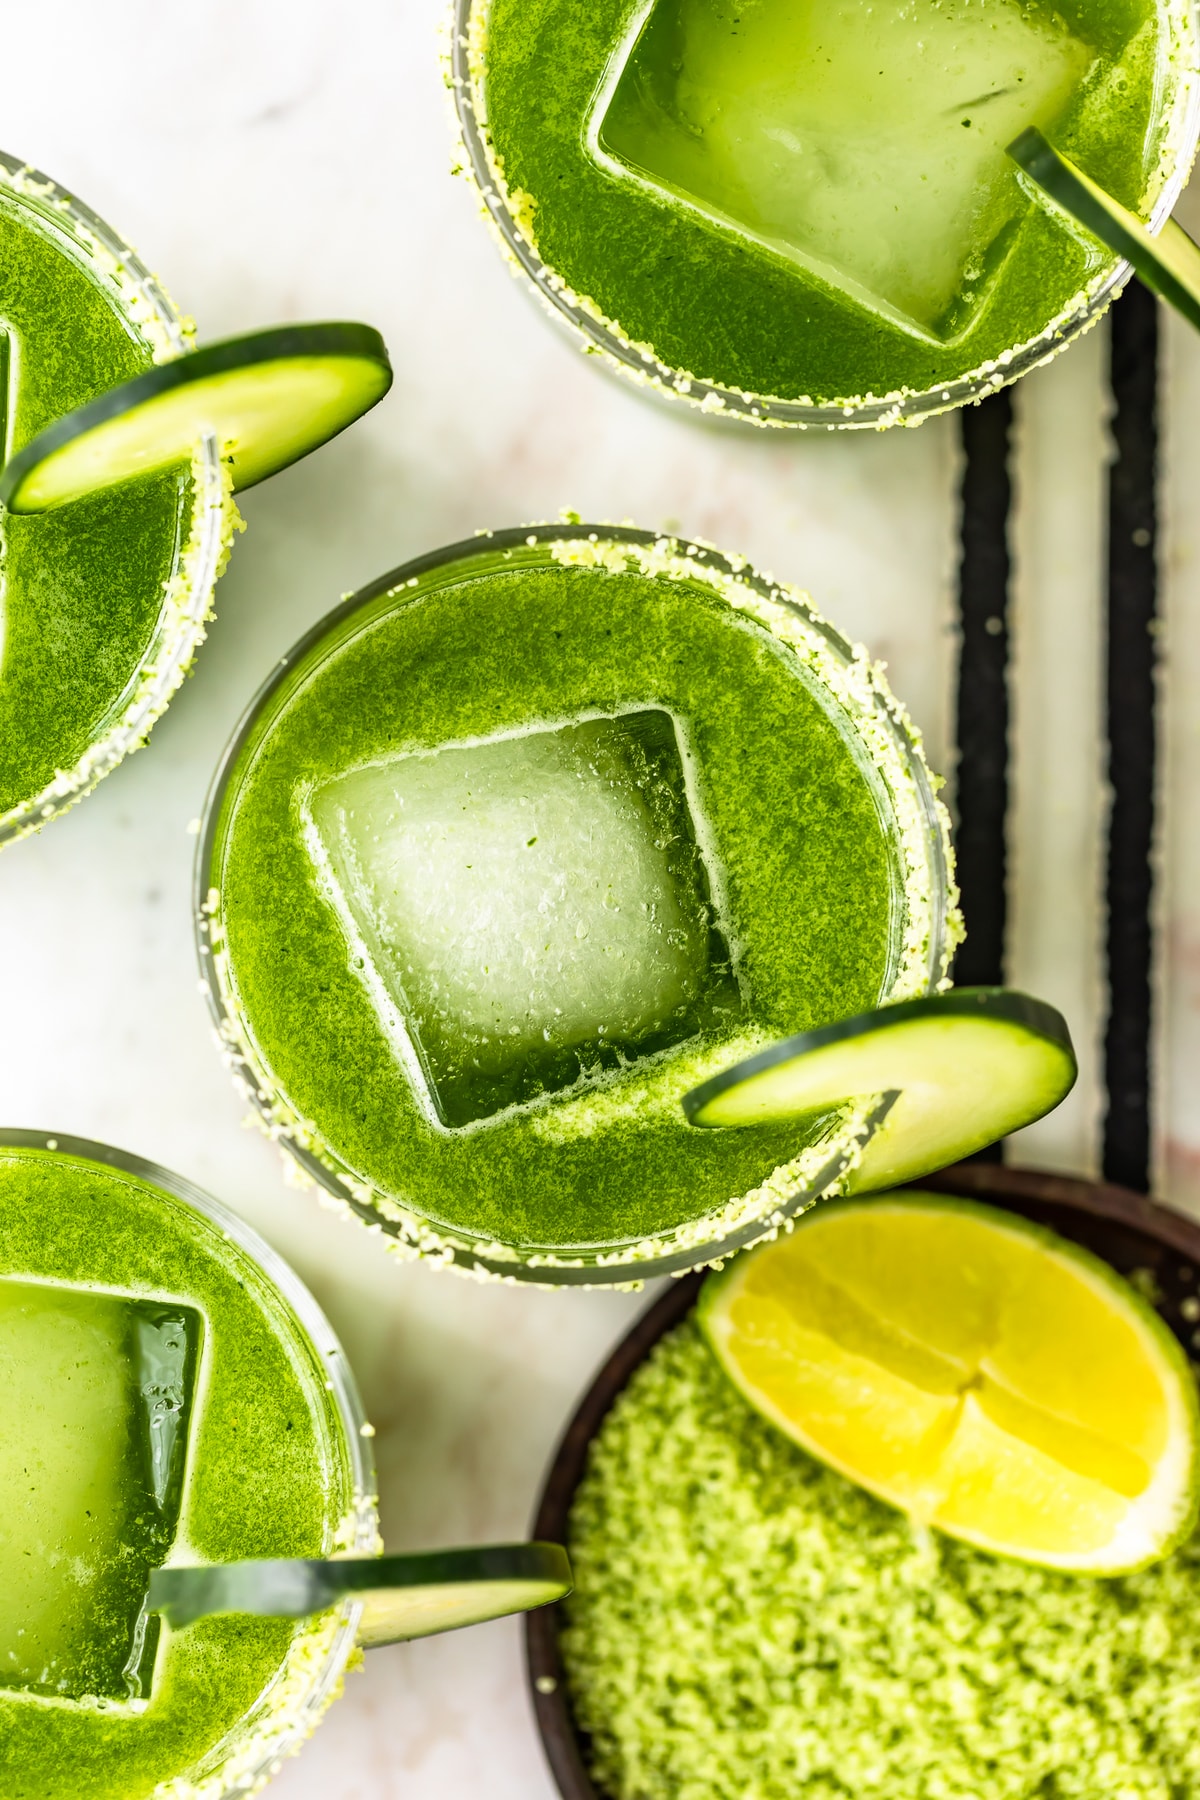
x=715, y=402
x=294, y=1724
x=413, y=1234
x=149, y=311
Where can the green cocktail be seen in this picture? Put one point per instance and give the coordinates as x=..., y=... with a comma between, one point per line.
x=801, y=213
x=104, y=601
x=168, y=1392
x=524, y=841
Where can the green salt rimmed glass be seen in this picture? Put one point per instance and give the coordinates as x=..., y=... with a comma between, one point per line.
x=923, y=917
x=602, y=337
x=292, y=1705
x=152, y=319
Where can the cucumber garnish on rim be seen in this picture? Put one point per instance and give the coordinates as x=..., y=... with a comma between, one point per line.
x=267, y=399
x=1167, y=261
x=402, y=1597
x=961, y=1069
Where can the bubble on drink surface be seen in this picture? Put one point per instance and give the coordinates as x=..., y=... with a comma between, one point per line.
x=530, y=911
x=867, y=144
x=95, y=1395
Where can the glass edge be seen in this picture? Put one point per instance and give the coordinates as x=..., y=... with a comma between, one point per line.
x=338, y=1181
x=63, y=206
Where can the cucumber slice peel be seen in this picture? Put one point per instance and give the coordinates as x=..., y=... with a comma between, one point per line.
x=1168, y=262
x=962, y=1069
x=267, y=398
x=402, y=1597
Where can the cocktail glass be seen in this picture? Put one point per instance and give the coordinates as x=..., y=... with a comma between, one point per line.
x=334, y=1016
x=151, y=1255
x=702, y=176
x=125, y=704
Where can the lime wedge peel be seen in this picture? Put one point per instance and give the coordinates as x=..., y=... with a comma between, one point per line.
x=963, y=1068
x=401, y=1597
x=1168, y=261
x=977, y=1371
x=267, y=399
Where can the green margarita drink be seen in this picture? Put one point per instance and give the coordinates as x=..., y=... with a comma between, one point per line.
x=802, y=213
x=527, y=839
x=103, y=601
x=169, y=1393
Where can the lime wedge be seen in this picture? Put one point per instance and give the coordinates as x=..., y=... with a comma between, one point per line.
x=267, y=398
x=962, y=1069
x=982, y=1374
x=1168, y=263
x=402, y=1597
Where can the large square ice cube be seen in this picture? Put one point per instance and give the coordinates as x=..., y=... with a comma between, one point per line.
x=527, y=910
x=866, y=141
x=95, y=1391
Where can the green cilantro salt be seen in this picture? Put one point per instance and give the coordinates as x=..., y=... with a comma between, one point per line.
x=747, y=1625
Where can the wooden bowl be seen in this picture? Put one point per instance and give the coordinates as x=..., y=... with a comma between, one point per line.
x=1126, y=1229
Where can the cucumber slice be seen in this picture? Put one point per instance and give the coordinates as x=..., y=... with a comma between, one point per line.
x=402, y=1597
x=1168, y=262
x=961, y=1069
x=267, y=398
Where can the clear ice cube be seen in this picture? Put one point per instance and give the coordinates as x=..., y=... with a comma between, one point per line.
x=866, y=142
x=95, y=1392
x=528, y=911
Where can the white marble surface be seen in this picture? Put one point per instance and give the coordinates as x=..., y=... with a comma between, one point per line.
x=276, y=163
